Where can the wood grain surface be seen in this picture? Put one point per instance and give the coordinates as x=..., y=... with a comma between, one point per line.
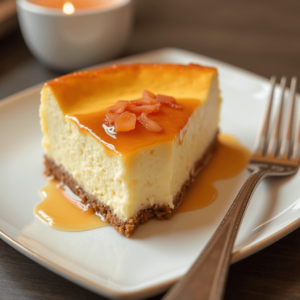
x=258, y=35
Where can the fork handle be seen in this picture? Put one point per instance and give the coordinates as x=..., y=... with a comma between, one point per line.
x=207, y=277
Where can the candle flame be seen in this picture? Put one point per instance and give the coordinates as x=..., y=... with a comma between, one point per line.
x=68, y=8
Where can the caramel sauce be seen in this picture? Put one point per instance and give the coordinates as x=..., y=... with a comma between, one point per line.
x=95, y=90
x=84, y=96
x=171, y=120
x=60, y=211
x=78, y=4
x=229, y=159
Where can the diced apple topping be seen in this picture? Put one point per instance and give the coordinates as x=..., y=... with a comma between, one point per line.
x=140, y=102
x=110, y=119
x=150, y=101
x=118, y=108
x=137, y=102
x=149, y=109
x=173, y=105
x=148, y=95
x=125, y=122
x=168, y=101
x=165, y=99
x=148, y=123
x=122, y=115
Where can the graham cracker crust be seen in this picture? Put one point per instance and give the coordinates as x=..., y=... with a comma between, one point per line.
x=160, y=212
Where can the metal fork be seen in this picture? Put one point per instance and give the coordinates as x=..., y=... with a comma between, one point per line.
x=276, y=154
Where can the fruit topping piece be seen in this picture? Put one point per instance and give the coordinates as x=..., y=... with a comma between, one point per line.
x=149, y=109
x=165, y=99
x=149, y=101
x=137, y=102
x=122, y=115
x=148, y=123
x=168, y=101
x=110, y=119
x=148, y=95
x=140, y=102
x=118, y=108
x=173, y=105
x=125, y=122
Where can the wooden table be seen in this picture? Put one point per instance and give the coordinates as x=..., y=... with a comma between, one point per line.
x=258, y=35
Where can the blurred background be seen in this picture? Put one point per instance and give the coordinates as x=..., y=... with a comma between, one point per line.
x=257, y=35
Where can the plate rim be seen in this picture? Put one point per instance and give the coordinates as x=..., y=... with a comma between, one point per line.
x=157, y=288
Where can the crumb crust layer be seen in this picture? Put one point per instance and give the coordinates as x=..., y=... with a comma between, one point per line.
x=128, y=227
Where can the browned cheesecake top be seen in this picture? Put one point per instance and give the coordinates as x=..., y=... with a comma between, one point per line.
x=85, y=96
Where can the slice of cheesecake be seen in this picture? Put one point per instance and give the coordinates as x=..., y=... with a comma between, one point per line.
x=130, y=177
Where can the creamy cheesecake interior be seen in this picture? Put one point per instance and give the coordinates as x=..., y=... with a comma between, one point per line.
x=133, y=171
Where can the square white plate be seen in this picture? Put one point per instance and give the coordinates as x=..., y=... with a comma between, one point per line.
x=159, y=252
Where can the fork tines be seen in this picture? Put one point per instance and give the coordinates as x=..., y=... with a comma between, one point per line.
x=281, y=140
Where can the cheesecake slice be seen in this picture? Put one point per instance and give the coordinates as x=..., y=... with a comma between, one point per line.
x=130, y=177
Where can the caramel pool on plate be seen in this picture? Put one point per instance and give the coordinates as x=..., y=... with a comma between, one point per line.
x=61, y=211
x=229, y=160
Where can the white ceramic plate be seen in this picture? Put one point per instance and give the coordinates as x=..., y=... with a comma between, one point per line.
x=160, y=252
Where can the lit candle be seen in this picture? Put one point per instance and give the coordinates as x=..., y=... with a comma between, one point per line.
x=69, y=7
